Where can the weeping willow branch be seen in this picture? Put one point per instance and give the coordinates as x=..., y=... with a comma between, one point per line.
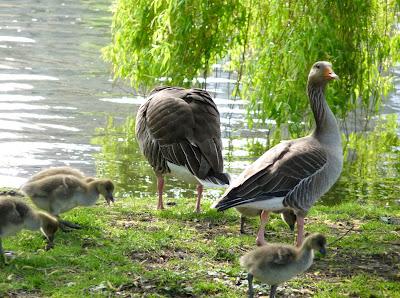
x=271, y=45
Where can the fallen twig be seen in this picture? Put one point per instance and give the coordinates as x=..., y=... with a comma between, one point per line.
x=341, y=237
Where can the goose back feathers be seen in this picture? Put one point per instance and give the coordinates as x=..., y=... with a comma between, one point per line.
x=181, y=127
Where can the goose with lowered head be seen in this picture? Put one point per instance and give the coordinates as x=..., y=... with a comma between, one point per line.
x=178, y=131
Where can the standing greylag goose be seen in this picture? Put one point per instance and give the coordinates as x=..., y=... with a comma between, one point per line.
x=178, y=131
x=60, y=193
x=276, y=263
x=16, y=215
x=294, y=173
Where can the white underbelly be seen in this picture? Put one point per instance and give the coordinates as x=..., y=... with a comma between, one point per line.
x=269, y=204
x=182, y=172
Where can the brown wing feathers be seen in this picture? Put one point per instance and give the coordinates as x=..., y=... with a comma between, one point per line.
x=277, y=179
x=183, y=128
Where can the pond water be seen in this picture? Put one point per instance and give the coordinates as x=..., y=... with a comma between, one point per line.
x=58, y=106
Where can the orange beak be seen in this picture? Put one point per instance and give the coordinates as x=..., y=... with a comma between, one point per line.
x=329, y=74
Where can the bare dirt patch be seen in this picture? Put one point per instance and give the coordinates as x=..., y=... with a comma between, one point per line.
x=158, y=258
x=346, y=264
x=209, y=229
x=21, y=293
x=140, y=287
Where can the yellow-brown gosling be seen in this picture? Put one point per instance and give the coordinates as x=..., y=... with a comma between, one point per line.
x=16, y=215
x=60, y=193
x=276, y=263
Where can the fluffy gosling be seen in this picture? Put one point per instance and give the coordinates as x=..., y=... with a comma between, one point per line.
x=276, y=263
x=16, y=215
x=60, y=193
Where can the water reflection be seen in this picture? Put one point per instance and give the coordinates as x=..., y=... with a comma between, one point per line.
x=121, y=160
x=371, y=168
x=26, y=77
x=15, y=39
x=7, y=87
x=372, y=165
x=51, y=77
x=18, y=97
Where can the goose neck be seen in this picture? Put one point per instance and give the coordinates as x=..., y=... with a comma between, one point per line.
x=325, y=121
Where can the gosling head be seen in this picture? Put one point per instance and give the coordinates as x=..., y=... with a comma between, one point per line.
x=316, y=242
x=105, y=187
x=49, y=226
x=321, y=73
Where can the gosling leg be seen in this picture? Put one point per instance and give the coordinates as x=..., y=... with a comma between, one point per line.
x=273, y=291
x=260, y=240
x=242, y=222
x=199, y=196
x=250, y=282
x=160, y=187
x=65, y=225
x=300, y=230
x=2, y=257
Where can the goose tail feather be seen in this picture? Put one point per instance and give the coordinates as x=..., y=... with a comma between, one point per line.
x=216, y=180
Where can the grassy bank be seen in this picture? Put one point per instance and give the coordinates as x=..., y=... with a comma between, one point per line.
x=132, y=250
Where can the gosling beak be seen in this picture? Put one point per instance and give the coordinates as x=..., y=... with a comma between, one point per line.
x=323, y=251
x=330, y=75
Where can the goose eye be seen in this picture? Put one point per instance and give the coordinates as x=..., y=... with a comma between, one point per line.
x=317, y=66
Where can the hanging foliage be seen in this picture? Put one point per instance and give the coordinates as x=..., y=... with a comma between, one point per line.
x=286, y=38
x=171, y=39
x=270, y=45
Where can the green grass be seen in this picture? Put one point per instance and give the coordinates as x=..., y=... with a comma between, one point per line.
x=132, y=250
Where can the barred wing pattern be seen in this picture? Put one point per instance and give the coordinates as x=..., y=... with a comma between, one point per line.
x=287, y=170
x=182, y=126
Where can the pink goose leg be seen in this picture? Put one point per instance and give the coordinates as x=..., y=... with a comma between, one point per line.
x=160, y=187
x=260, y=240
x=199, y=196
x=300, y=230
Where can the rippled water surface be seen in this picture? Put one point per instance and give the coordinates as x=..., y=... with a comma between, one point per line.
x=52, y=81
x=58, y=105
